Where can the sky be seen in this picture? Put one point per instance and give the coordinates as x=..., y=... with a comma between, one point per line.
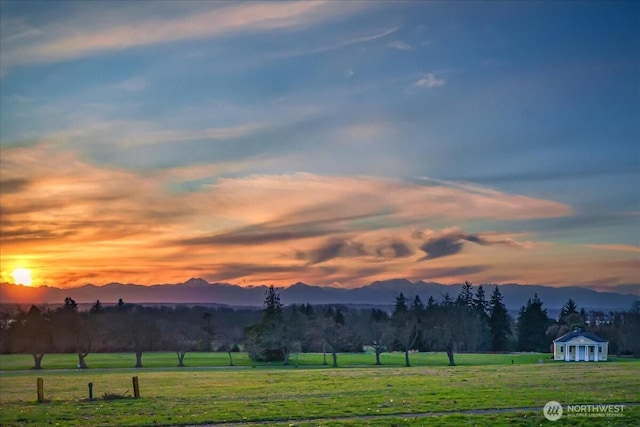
x=333, y=143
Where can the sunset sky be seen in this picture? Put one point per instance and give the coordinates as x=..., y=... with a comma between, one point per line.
x=334, y=143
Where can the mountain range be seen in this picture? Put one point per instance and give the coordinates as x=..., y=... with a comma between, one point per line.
x=380, y=293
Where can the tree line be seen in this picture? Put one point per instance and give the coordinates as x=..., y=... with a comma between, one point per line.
x=467, y=323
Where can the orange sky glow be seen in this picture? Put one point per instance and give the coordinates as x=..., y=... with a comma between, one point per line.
x=85, y=224
x=333, y=143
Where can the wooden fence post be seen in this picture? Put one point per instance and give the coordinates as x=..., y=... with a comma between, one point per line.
x=136, y=388
x=40, y=390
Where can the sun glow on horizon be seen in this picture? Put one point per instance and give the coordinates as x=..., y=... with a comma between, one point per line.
x=22, y=276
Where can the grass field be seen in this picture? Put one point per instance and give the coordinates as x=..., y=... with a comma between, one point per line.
x=158, y=360
x=427, y=393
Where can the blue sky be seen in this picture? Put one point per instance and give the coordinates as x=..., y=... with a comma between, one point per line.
x=321, y=131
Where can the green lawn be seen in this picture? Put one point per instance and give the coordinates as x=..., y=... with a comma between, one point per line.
x=158, y=360
x=302, y=396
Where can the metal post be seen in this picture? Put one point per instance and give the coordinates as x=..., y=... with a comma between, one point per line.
x=90, y=391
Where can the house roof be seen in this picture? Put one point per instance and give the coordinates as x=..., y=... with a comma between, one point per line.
x=569, y=336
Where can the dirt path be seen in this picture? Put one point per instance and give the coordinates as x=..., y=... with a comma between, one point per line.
x=414, y=415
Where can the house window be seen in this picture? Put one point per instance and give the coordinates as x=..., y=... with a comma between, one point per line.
x=561, y=348
x=591, y=349
x=600, y=349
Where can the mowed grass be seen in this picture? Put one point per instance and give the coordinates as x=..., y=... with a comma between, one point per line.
x=344, y=396
x=199, y=359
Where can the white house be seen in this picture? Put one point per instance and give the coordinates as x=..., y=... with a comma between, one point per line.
x=580, y=346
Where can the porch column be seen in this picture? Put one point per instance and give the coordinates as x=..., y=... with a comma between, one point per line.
x=595, y=353
x=566, y=353
x=577, y=347
x=588, y=350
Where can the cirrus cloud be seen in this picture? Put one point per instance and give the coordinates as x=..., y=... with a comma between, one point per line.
x=27, y=45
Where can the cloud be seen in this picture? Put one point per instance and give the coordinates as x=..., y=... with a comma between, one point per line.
x=333, y=46
x=336, y=248
x=582, y=222
x=207, y=134
x=399, y=249
x=15, y=185
x=365, y=131
x=247, y=238
x=90, y=218
x=429, y=81
x=133, y=84
x=26, y=45
x=452, y=242
x=340, y=247
x=16, y=29
x=62, y=188
x=340, y=203
x=616, y=247
x=399, y=45
x=441, y=246
x=68, y=200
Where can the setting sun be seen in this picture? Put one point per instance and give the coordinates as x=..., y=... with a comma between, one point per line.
x=22, y=276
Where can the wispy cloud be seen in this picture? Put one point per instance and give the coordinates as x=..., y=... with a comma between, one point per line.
x=313, y=50
x=133, y=84
x=211, y=134
x=399, y=45
x=26, y=45
x=616, y=247
x=430, y=81
x=14, y=30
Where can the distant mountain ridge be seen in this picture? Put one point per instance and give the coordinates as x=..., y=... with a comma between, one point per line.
x=199, y=291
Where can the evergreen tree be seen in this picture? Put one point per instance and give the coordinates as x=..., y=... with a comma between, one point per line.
x=97, y=307
x=569, y=319
x=401, y=305
x=417, y=305
x=271, y=339
x=480, y=304
x=479, y=308
x=307, y=310
x=70, y=305
x=465, y=297
x=378, y=315
x=272, y=304
x=431, y=302
x=532, y=326
x=446, y=299
x=498, y=321
x=568, y=308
